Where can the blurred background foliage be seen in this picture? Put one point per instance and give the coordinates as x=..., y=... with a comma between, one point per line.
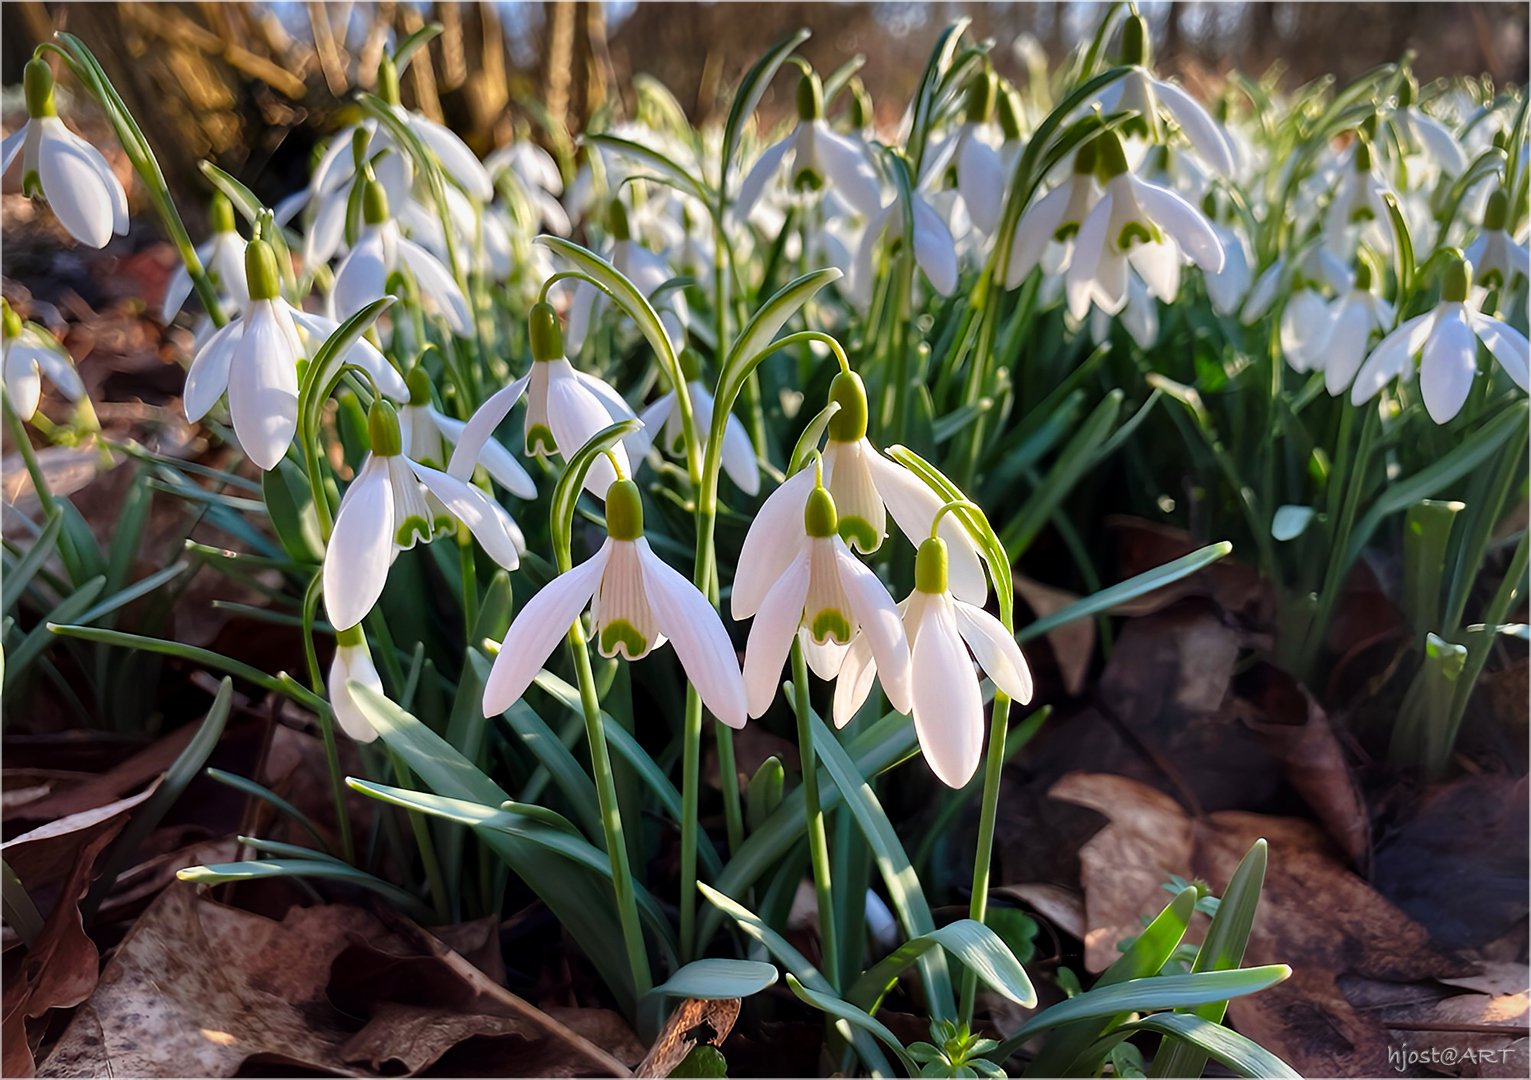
x=255, y=86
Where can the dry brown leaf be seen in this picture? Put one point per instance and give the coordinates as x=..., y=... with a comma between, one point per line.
x=1296, y=732
x=695, y=1023
x=46, y=855
x=1315, y=914
x=94, y=791
x=416, y=1036
x=59, y=969
x=1073, y=643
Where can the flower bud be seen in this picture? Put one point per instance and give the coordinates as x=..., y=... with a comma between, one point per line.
x=1408, y=90
x=1135, y=41
x=624, y=511
x=616, y=218
x=38, y=80
x=1457, y=281
x=1111, y=159
x=388, y=80
x=374, y=203
x=1010, y=113
x=1496, y=215
x=850, y=423
x=419, y=382
x=383, y=429
x=810, y=97
x=862, y=112
x=12, y=327
x=545, y=333
x=819, y=518
x=930, y=566
x=982, y=90
x=261, y=271
x=222, y=213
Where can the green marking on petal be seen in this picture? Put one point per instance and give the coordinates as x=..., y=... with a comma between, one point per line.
x=858, y=533
x=828, y=624
x=1134, y=231
x=1492, y=279
x=1066, y=230
x=619, y=633
x=1362, y=213
x=410, y=528
x=808, y=180
x=1136, y=125
x=444, y=524
x=539, y=440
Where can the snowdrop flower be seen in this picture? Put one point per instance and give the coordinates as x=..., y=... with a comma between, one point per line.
x=867, y=487
x=662, y=416
x=947, y=703
x=1316, y=263
x=73, y=177
x=1226, y=288
x=978, y=162
x=646, y=270
x=254, y=357
x=380, y=252
x=223, y=254
x=1054, y=218
x=1349, y=323
x=1446, y=341
x=352, y=663
x=1140, y=317
x=1426, y=132
x=1357, y=202
x=813, y=157
x=1304, y=329
x=1141, y=93
x=934, y=249
x=1495, y=256
x=637, y=603
x=537, y=179
x=393, y=502
x=30, y=352
x=822, y=593
x=430, y=437
x=1139, y=223
x=564, y=408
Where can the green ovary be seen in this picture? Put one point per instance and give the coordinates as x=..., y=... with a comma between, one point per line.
x=858, y=533
x=1134, y=231
x=828, y=624
x=539, y=440
x=619, y=633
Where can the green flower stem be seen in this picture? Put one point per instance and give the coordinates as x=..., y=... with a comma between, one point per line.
x=611, y=815
x=691, y=768
x=994, y=764
x=28, y=457
x=1509, y=592
x=423, y=840
x=469, y=581
x=308, y=435
x=326, y=719
x=1339, y=567
x=818, y=841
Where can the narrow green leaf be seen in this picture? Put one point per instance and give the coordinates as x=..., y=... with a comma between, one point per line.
x=572, y=481
x=975, y=944
x=271, y=798
x=20, y=576
x=667, y=168
x=257, y=869
x=843, y=1010
x=1240, y=1055
x=708, y=980
x=142, y=587
x=1130, y=589
x=146, y=818
x=41, y=636
x=753, y=343
x=751, y=89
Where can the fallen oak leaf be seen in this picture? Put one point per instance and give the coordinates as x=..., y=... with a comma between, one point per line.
x=697, y=1022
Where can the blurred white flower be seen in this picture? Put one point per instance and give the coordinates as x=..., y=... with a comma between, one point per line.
x=30, y=352
x=223, y=257
x=662, y=420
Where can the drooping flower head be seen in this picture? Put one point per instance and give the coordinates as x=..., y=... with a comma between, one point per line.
x=662, y=420
x=394, y=502
x=69, y=173
x=946, y=702
x=431, y=438
x=1495, y=256
x=29, y=353
x=822, y=593
x=1445, y=339
x=254, y=357
x=637, y=603
x=222, y=254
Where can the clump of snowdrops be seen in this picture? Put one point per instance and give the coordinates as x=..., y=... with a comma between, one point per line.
x=809, y=394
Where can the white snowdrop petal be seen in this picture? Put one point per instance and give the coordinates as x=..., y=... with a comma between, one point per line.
x=758, y=176
x=472, y=507
x=774, y=540
x=493, y=455
x=1447, y=364
x=913, y=506
x=981, y=182
x=208, y=376
x=1159, y=267
x=436, y=283
x=854, y=684
x=697, y=634
x=1507, y=344
x=771, y=634
x=23, y=381
x=361, y=547
x=479, y=429
x=72, y=185
x=55, y=365
x=537, y=630
x=263, y=388
x=1034, y=232
x=995, y=649
x=874, y=609
x=934, y=249
x=1206, y=135
x=1345, y=347
x=1391, y=357
x=847, y=168
x=739, y=457
x=362, y=276
x=1089, y=245
x=455, y=157
x=1188, y=225
x=946, y=704
x=11, y=146
x=352, y=664
x=575, y=413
